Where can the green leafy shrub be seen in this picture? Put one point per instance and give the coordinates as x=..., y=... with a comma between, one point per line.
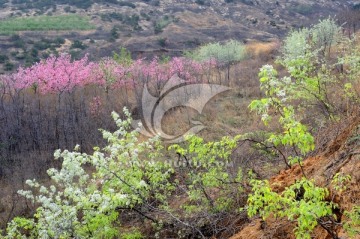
x=207, y=165
x=352, y=225
x=162, y=23
x=3, y=58
x=340, y=181
x=124, y=57
x=302, y=202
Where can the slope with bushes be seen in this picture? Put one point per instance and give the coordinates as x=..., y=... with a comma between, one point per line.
x=152, y=27
x=132, y=187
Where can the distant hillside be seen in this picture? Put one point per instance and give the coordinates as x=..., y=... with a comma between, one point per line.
x=151, y=27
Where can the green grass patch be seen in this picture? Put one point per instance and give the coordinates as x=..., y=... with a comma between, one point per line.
x=45, y=23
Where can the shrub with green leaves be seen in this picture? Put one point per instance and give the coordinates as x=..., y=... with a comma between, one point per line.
x=226, y=53
x=352, y=225
x=303, y=202
x=207, y=165
x=123, y=57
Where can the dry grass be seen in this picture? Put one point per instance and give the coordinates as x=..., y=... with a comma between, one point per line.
x=259, y=49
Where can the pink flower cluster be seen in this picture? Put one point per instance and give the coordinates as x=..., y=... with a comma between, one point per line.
x=61, y=74
x=55, y=74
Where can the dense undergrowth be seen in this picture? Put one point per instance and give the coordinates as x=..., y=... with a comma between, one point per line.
x=138, y=188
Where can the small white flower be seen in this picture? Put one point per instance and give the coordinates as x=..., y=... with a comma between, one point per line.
x=281, y=93
x=43, y=190
x=142, y=184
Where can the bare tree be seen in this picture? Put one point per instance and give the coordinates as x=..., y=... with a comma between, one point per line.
x=349, y=19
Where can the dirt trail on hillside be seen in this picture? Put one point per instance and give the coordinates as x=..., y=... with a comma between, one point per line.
x=342, y=154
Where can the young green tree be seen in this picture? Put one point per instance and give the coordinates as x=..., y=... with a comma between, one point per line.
x=123, y=57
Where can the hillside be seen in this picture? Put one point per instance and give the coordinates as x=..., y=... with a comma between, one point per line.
x=179, y=119
x=152, y=27
x=339, y=155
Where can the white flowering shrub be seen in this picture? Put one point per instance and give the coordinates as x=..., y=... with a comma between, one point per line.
x=131, y=177
x=314, y=42
x=296, y=45
x=326, y=34
x=225, y=54
x=293, y=134
x=88, y=190
x=306, y=56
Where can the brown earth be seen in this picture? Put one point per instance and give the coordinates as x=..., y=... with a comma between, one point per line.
x=342, y=154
